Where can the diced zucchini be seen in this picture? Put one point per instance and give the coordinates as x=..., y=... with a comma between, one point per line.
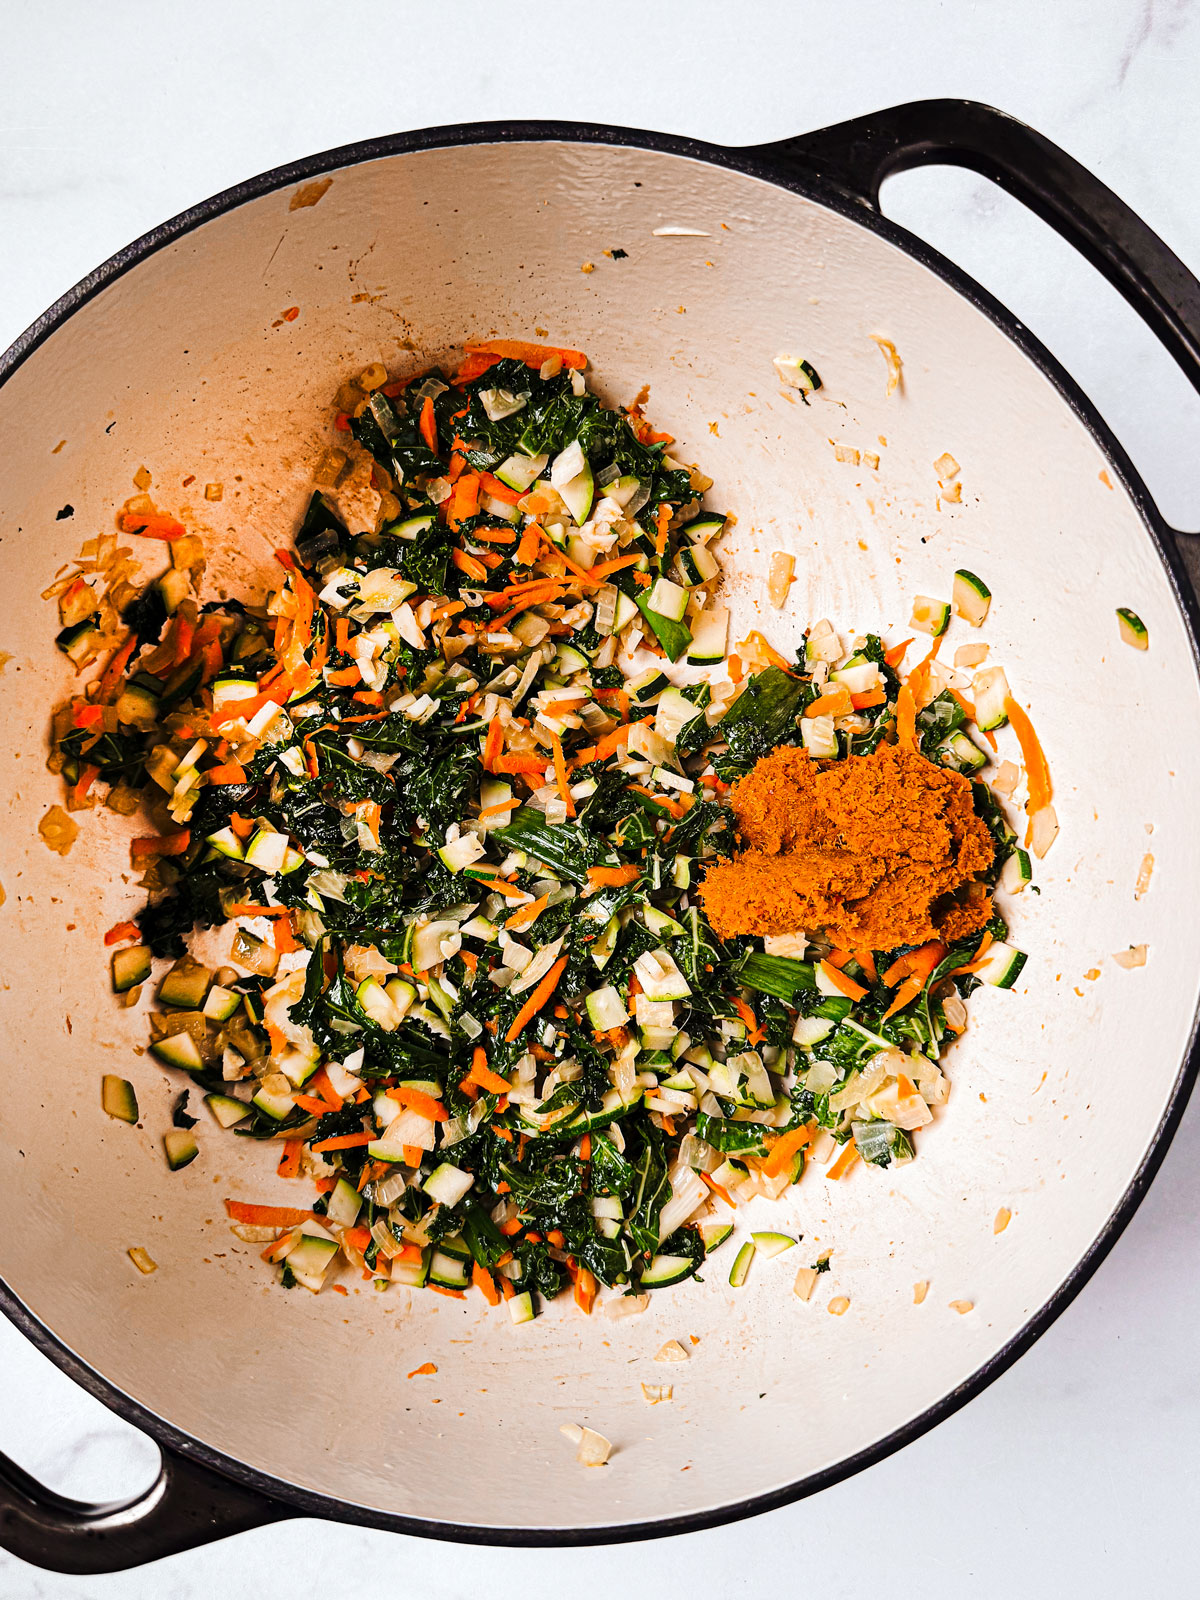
x=809, y=1031
x=447, y=1272
x=275, y=1106
x=447, y=1184
x=797, y=373
x=704, y=527
x=602, y=949
x=666, y=1270
x=412, y=1274
x=221, y=1003
x=859, y=677
x=411, y=527
x=627, y=609
x=130, y=967
x=461, y=852
x=1016, y=872
x=402, y=994
x=740, y=1270
x=1133, y=629
x=991, y=692
x=697, y=564
x=668, y=599
x=1001, y=965
x=267, y=849
x=930, y=615
x=180, y=1146
x=455, y=1245
x=520, y=471
x=972, y=597
x=345, y=1203
x=174, y=586
x=186, y=985
x=606, y=1009
x=647, y=686
x=310, y=1260
x=659, y=977
x=714, y=1235
x=960, y=753
x=226, y=843
x=377, y=1004
x=569, y=661
x=521, y=1307
x=660, y=924
x=772, y=1244
x=178, y=1050
x=118, y=1098
x=571, y=475
x=80, y=640
x=229, y=1111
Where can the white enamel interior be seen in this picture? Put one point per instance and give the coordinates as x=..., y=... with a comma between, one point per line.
x=184, y=365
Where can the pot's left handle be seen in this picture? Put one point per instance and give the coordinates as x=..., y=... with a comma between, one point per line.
x=187, y=1505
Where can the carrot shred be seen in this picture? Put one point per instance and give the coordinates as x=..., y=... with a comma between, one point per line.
x=344, y=1141
x=228, y=772
x=417, y=1100
x=1037, y=771
x=906, y=718
x=533, y=355
x=560, y=774
x=719, y=1190
x=121, y=931
x=482, y=1279
x=908, y=990
x=428, y=424
x=289, y=1161
x=529, y=545
x=537, y=999
x=525, y=916
x=784, y=1148
x=150, y=524
x=166, y=844
x=612, y=877
x=499, y=490
x=585, y=1290
x=844, y=1162
x=483, y=1075
x=843, y=984
x=268, y=1216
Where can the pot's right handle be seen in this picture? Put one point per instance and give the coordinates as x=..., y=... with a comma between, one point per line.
x=857, y=156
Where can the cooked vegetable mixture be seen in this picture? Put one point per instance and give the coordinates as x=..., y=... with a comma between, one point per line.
x=458, y=814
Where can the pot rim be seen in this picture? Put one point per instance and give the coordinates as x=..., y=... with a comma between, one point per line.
x=753, y=162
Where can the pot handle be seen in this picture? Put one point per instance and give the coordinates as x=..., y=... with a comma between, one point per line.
x=188, y=1504
x=856, y=156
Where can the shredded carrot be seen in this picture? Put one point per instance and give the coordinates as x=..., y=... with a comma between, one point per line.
x=499, y=490
x=906, y=718
x=717, y=1189
x=663, y=518
x=560, y=774
x=417, y=1100
x=537, y=999
x=150, y=524
x=493, y=744
x=872, y=697
x=451, y=1294
x=585, y=1290
x=289, y=1161
x=525, y=916
x=283, y=936
x=166, y=844
x=229, y=772
x=753, y=1032
x=121, y=931
x=498, y=884
x=530, y=543
x=613, y=877
x=908, y=990
x=483, y=1075
x=482, y=1279
x=428, y=424
x=427, y=1368
x=344, y=1141
x=268, y=1216
x=112, y=673
x=494, y=811
x=896, y=654
x=532, y=766
x=844, y=1162
x=1037, y=771
x=835, y=702
x=469, y=566
x=494, y=536
x=585, y=1147
x=784, y=1148
x=533, y=355
x=843, y=984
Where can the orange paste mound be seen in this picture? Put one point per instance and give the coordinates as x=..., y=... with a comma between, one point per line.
x=873, y=852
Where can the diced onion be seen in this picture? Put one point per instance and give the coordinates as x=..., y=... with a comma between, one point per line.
x=594, y=1449
x=805, y=1282
x=1135, y=956
x=894, y=364
x=1044, y=830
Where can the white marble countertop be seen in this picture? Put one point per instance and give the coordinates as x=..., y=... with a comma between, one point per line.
x=1073, y=1474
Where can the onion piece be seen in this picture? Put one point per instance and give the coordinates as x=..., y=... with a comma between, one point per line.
x=1043, y=830
x=895, y=367
x=594, y=1449
x=1135, y=956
